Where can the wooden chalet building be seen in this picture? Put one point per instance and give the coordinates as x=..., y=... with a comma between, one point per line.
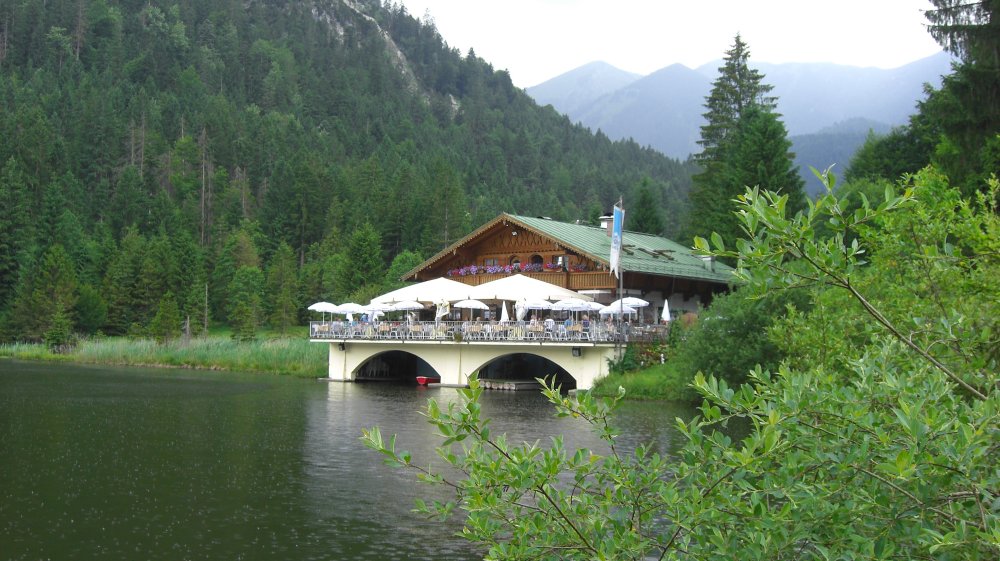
x=575, y=256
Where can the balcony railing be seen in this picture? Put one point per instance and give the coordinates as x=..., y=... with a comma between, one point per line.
x=570, y=280
x=487, y=332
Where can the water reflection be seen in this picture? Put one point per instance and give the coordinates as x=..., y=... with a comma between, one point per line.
x=135, y=463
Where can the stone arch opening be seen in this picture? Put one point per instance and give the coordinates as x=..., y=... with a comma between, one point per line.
x=526, y=367
x=393, y=366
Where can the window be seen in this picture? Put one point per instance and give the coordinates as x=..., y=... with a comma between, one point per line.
x=515, y=260
x=537, y=260
x=491, y=262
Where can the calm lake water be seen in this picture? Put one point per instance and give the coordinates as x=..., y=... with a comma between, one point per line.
x=127, y=463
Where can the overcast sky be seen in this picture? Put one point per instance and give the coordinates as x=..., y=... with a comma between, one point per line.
x=540, y=39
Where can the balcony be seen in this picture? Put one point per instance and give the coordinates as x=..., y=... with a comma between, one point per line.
x=487, y=332
x=572, y=280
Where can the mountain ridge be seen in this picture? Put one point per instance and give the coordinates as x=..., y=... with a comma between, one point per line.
x=810, y=96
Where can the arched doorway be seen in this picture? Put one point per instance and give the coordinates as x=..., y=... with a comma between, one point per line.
x=394, y=366
x=526, y=367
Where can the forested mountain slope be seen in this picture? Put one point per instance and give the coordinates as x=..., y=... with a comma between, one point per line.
x=165, y=144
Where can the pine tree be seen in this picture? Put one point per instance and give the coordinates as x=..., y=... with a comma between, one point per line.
x=15, y=227
x=645, y=215
x=967, y=106
x=60, y=331
x=245, y=297
x=401, y=264
x=760, y=156
x=282, y=289
x=737, y=88
x=120, y=283
x=744, y=144
x=91, y=311
x=51, y=289
x=362, y=264
x=166, y=324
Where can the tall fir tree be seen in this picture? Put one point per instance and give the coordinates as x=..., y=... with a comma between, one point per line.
x=15, y=227
x=50, y=290
x=645, y=215
x=282, y=289
x=166, y=324
x=245, y=303
x=362, y=265
x=740, y=114
x=760, y=155
x=737, y=89
x=967, y=105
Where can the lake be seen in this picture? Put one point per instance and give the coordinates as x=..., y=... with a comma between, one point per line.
x=99, y=462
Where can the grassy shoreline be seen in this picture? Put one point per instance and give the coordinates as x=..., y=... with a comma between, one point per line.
x=290, y=355
x=293, y=355
x=658, y=382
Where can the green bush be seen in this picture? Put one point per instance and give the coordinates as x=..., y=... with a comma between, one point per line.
x=890, y=454
x=731, y=336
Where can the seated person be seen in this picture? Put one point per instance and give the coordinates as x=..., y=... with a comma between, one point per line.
x=585, y=321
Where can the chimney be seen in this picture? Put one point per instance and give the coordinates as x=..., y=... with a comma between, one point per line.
x=607, y=221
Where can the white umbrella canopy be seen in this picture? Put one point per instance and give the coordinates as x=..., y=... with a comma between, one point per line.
x=535, y=305
x=322, y=307
x=376, y=310
x=520, y=287
x=350, y=308
x=571, y=305
x=428, y=292
x=471, y=305
x=406, y=306
x=665, y=316
x=594, y=306
x=504, y=316
x=630, y=301
x=616, y=310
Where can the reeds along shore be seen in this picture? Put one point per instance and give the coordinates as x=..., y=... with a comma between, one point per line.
x=292, y=356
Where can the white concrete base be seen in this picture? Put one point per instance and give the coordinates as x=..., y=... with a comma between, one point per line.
x=456, y=361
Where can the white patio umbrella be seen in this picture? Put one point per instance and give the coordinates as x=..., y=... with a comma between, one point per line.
x=520, y=287
x=350, y=308
x=376, y=310
x=665, y=316
x=406, y=306
x=471, y=305
x=616, y=310
x=535, y=305
x=323, y=308
x=521, y=308
x=504, y=316
x=571, y=305
x=595, y=306
x=631, y=302
x=428, y=292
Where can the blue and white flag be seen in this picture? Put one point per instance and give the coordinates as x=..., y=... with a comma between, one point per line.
x=616, y=240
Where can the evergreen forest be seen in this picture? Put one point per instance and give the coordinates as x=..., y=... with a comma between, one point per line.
x=190, y=158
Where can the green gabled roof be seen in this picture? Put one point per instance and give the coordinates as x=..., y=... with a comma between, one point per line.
x=641, y=253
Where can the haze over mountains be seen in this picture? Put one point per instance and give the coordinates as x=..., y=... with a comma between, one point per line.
x=828, y=109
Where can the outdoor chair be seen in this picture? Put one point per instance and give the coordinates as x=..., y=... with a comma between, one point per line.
x=384, y=331
x=416, y=331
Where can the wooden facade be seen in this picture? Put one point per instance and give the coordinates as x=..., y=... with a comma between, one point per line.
x=506, y=245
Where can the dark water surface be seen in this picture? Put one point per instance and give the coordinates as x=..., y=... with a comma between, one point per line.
x=127, y=463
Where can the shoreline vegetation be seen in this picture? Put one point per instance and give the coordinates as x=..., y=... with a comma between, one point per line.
x=285, y=355
x=289, y=355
